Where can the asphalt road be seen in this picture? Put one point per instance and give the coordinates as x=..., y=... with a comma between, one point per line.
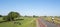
x=39, y=23
x=49, y=24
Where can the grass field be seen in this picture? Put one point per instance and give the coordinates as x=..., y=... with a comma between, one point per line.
x=1, y=19
x=27, y=22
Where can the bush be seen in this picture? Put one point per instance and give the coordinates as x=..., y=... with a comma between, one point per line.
x=5, y=18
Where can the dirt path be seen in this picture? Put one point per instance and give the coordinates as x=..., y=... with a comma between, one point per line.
x=39, y=23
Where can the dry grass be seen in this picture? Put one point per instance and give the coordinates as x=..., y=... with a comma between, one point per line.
x=56, y=20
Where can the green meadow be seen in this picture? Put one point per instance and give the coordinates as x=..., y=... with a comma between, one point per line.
x=26, y=22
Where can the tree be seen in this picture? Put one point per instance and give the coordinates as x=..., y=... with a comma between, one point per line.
x=13, y=15
x=0, y=15
x=25, y=16
x=34, y=16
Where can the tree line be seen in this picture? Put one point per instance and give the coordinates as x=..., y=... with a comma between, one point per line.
x=12, y=15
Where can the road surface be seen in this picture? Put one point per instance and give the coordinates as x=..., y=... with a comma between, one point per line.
x=43, y=23
x=49, y=24
x=39, y=23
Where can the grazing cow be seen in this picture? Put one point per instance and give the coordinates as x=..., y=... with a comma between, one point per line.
x=53, y=20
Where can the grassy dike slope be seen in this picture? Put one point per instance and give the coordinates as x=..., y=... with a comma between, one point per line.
x=27, y=22
x=56, y=20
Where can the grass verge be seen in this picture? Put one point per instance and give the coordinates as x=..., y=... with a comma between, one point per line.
x=27, y=22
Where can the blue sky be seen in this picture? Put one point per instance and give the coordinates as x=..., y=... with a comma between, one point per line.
x=31, y=7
